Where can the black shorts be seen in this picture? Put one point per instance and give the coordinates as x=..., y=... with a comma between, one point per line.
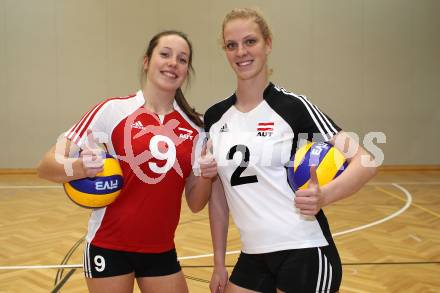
x=102, y=262
x=305, y=270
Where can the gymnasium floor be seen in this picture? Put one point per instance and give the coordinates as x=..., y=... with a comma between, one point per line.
x=387, y=234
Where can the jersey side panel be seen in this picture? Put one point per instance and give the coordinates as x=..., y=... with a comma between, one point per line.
x=93, y=120
x=197, y=134
x=306, y=120
x=103, y=119
x=214, y=113
x=308, y=123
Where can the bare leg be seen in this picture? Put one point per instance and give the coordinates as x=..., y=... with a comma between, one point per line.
x=232, y=288
x=117, y=284
x=174, y=283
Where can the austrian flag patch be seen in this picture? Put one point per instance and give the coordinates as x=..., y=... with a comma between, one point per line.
x=265, y=128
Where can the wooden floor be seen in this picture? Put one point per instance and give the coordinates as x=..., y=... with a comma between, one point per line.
x=388, y=235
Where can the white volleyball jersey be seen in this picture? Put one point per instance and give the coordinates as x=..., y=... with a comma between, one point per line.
x=252, y=150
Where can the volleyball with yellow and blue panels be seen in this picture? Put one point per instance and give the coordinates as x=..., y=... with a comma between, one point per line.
x=98, y=191
x=330, y=164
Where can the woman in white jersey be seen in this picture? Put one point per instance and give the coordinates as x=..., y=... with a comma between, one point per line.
x=153, y=133
x=286, y=242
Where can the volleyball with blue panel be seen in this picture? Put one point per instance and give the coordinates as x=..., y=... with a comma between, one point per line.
x=98, y=191
x=330, y=164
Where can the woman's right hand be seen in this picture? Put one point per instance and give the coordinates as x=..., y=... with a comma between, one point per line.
x=92, y=156
x=219, y=279
x=208, y=165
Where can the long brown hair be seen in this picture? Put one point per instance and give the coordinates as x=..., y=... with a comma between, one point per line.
x=179, y=97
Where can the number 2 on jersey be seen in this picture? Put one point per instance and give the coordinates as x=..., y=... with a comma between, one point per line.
x=236, y=178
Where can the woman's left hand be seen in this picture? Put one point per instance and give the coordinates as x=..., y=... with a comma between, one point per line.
x=310, y=200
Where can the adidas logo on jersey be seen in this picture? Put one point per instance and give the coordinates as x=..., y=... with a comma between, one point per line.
x=224, y=128
x=265, y=128
x=137, y=125
x=187, y=134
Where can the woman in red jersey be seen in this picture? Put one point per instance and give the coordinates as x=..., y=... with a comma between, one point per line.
x=154, y=134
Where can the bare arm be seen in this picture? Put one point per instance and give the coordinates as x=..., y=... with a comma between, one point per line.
x=198, y=189
x=58, y=161
x=356, y=174
x=62, y=164
x=197, y=192
x=310, y=201
x=219, y=222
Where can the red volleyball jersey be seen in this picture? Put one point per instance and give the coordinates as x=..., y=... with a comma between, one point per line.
x=156, y=155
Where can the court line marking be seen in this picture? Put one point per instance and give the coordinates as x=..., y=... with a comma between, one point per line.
x=387, y=218
x=41, y=267
x=414, y=204
x=393, y=215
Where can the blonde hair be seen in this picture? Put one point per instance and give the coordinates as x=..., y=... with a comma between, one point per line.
x=247, y=13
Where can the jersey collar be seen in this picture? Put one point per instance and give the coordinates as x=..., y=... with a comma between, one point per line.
x=266, y=93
